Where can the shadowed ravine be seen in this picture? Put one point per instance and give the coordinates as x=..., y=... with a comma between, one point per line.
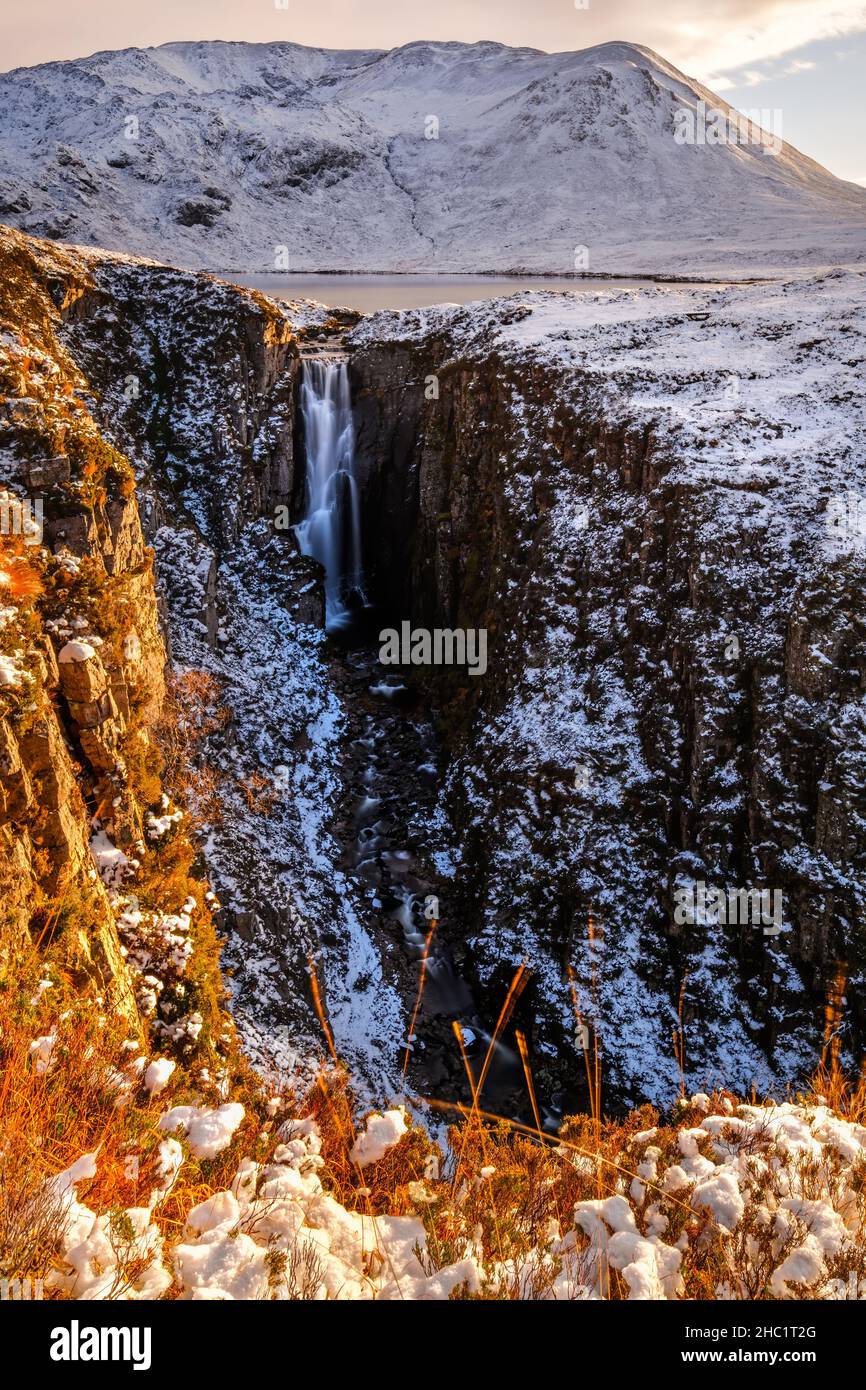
x=387, y=817
x=607, y=654
x=388, y=824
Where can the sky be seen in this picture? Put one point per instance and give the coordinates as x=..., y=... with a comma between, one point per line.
x=803, y=58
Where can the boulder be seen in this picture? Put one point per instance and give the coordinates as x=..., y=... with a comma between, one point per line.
x=82, y=675
x=48, y=473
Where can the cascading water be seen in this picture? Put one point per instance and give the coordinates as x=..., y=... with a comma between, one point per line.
x=388, y=814
x=331, y=528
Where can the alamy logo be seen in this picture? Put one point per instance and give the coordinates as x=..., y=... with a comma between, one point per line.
x=21, y=517
x=21, y=1290
x=76, y=1343
x=846, y=520
x=841, y=1289
x=708, y=125
x=695, y=903
x=441, y=647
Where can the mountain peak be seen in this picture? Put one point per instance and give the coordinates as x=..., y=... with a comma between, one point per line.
x=431, y=156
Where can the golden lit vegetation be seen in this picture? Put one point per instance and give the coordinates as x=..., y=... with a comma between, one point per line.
x=506, y=1192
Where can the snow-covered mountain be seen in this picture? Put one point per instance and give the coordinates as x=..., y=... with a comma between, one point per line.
x=434, y=156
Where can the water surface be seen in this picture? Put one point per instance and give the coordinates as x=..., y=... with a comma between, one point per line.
x=368, y=293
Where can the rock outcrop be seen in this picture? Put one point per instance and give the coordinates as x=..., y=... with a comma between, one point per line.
x=675, y=681
x=83, y=654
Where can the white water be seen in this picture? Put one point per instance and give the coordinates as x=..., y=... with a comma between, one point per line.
x=331, y=528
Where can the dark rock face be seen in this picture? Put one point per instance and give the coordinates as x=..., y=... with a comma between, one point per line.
x=674, y=694
x=202, y=384
x=199, y=213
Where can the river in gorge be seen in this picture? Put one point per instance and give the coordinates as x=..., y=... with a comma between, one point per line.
x=388, y=819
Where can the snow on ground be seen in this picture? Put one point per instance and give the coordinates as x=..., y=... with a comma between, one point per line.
x=111, y=862
x=431, y=157
x=380, y=1133
x=779, y=1184
x=208, y=1132
x=158, y=1074
x=274, y=867
x=699, y=360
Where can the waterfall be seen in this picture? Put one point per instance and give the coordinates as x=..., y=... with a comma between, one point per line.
x=331, y=528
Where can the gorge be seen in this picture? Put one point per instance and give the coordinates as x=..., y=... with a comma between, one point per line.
x=432, y=678
x=614, y=751
x=635, y=494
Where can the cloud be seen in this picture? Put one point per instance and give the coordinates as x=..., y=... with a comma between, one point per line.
x=737, y=33
x=706, y=40
x=753, y=77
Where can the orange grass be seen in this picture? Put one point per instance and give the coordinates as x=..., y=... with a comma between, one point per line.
x=531, y=1178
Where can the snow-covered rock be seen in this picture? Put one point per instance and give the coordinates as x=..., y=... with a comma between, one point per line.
x=208, y=1131
x=380, y=1134
x=158, y=1074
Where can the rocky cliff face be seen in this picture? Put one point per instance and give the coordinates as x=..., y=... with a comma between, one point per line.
x=95, y=863
x=630, y=493
x=71, y=727
x=676, y=668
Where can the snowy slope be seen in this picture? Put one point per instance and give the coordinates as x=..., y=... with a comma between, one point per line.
x=624, y=572
x=651, y=470
x=215, y=154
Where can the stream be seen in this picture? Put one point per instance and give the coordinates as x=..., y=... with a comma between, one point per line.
x=391, y=830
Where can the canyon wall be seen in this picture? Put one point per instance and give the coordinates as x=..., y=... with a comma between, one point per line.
x=198, y=383
x=675, y=658
x=97, y=862
x=675, y=673
x=75, y=730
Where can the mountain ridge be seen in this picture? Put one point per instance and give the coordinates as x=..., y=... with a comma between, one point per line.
x=433, y=157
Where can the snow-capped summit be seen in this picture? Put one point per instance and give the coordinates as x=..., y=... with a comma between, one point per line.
x=432, y=156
